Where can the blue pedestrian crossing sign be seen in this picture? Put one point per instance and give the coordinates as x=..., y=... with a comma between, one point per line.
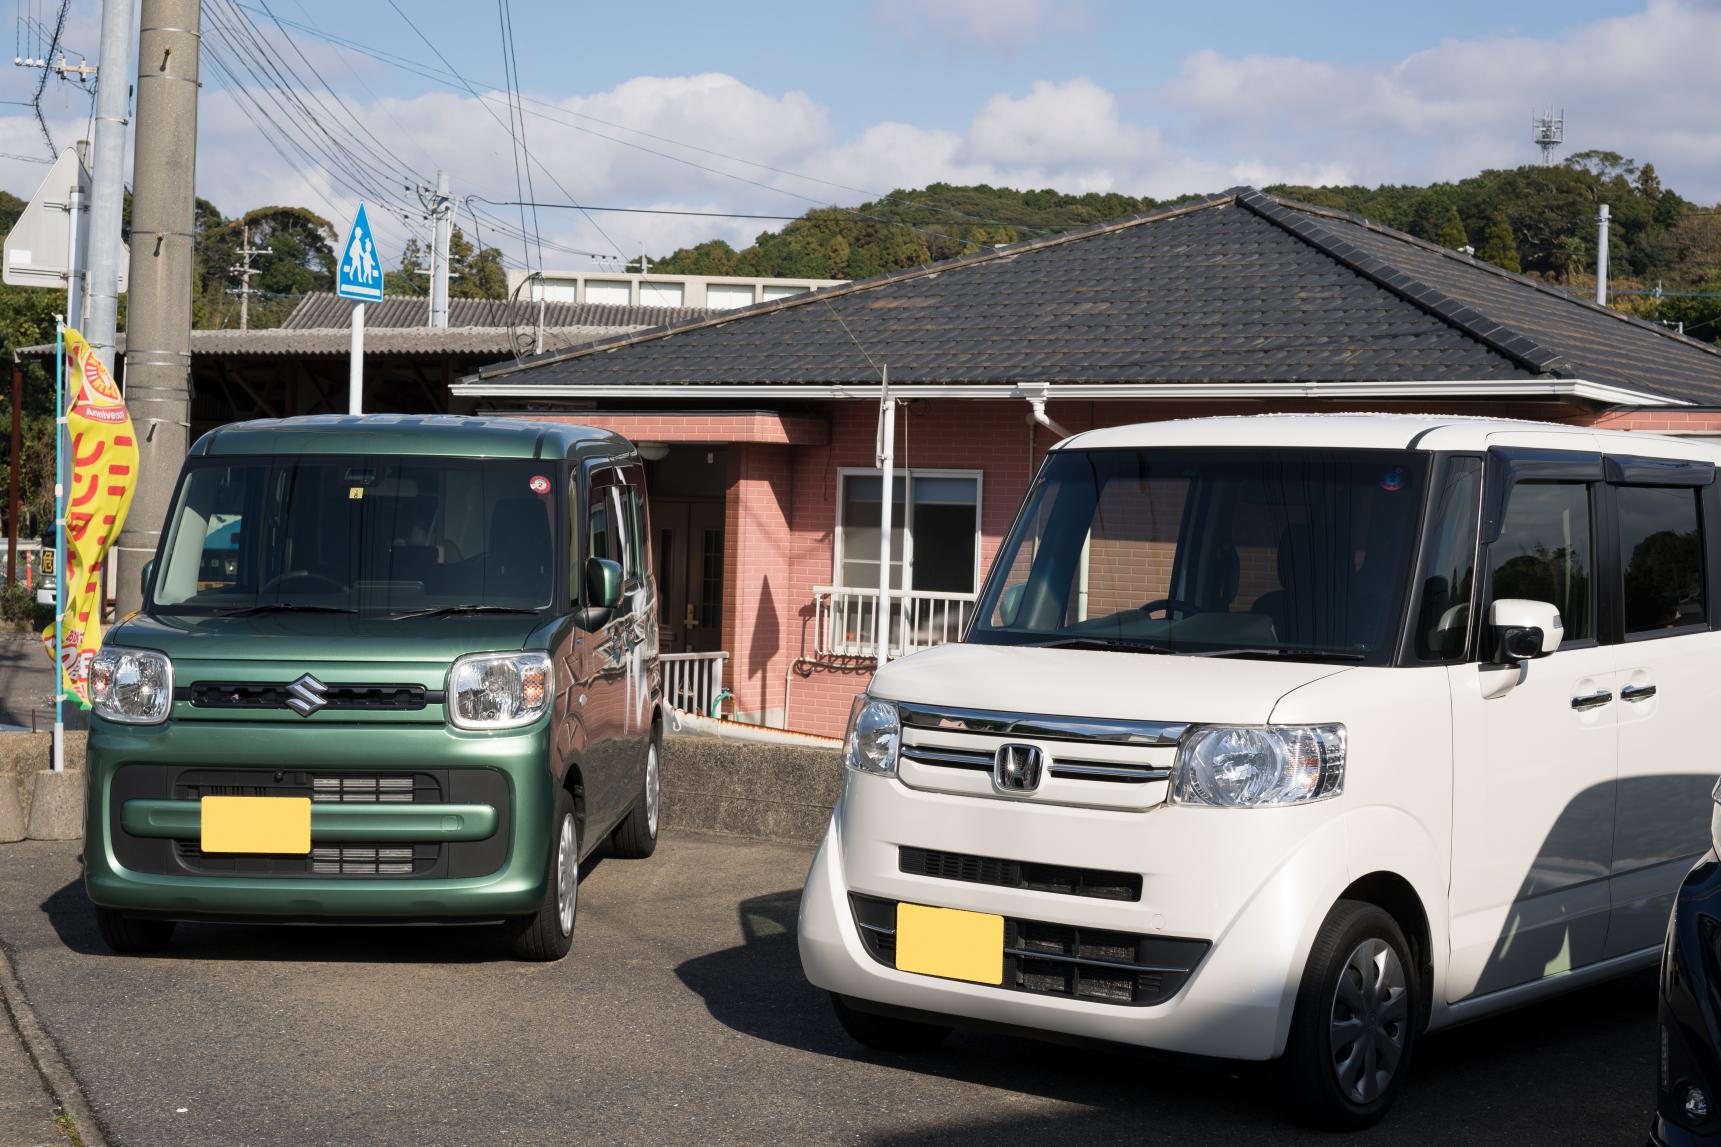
x=360, y=274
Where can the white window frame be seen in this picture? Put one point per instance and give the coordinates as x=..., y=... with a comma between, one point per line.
x=908, y=474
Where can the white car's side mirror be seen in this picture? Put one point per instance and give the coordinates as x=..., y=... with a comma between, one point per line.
x=1522, y=629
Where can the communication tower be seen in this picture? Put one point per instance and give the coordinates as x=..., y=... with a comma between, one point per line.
x=1548, y=131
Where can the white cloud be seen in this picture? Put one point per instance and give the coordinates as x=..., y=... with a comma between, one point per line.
x=1641, y=84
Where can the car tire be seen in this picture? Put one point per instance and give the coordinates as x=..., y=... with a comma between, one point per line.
x=128, y=934
x=549, y=934
x=635, y=838
x=1357, y=1017
x=886, y=1033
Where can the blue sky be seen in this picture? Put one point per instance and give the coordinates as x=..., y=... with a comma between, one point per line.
x=796, y=104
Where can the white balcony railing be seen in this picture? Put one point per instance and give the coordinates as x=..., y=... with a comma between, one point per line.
x=846, y=620
x=693, y=682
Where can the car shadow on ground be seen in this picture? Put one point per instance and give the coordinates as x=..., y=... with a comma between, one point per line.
x=73, y=919
x=1587, y=1059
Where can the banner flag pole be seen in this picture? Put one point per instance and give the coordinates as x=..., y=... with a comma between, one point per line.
x=59, y=545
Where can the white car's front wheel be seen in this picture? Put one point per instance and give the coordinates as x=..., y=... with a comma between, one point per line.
x=1356, y=1021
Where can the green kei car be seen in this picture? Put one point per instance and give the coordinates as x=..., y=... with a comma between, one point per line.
x=388, y=669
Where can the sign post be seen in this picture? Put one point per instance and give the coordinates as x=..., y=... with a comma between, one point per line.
x=59, y=762
x=360, y=280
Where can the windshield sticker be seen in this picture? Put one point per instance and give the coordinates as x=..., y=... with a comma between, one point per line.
x=1393, y=479
x=355, y=493
x=539, y=484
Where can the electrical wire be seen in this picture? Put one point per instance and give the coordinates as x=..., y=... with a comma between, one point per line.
x=465, y=83
x=453, y=79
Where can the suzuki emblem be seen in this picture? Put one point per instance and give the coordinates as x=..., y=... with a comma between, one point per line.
x=306, y=695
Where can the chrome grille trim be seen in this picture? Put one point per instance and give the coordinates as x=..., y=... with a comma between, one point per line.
x=1090, y=771
x=951, y=758
x=1152, y=734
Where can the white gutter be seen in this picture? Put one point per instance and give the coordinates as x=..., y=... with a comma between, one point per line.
x=1521, y=388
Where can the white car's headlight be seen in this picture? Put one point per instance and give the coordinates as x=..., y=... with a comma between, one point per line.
x=1242, y=766
x=499, y=690
x=131, y=686
x=874, y=736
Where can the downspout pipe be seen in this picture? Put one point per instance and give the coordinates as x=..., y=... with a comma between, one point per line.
x=1037, y=412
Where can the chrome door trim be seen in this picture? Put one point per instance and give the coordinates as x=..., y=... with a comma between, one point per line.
x=1592, y=700
x=1637, y=693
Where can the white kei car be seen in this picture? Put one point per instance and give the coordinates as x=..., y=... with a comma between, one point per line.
x=1290, y=737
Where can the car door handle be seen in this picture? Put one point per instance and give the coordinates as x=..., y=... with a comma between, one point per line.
x=1637, y=693
x=1592, y=700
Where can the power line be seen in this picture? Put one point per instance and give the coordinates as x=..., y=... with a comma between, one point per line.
x=474, y=92
x=732, y=215
x=453, y=79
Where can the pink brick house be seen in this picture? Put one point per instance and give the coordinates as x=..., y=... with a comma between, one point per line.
x=760, y=425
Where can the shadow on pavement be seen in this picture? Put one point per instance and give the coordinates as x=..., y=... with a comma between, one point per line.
x=1476, y=1083
x=73, y=919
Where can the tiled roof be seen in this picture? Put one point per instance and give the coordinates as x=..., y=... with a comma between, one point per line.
x=481, y=343
x=331, y=312
x=1241, y=288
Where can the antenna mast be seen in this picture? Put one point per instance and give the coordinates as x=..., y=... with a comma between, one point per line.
x=1548, y=131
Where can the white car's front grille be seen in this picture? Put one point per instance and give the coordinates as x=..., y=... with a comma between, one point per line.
x=1095, y=763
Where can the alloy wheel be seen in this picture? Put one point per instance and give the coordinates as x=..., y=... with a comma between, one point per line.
x=1369, y=1021
x=653, y=783
x=567, y=876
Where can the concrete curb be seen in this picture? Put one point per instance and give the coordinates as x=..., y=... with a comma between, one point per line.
x=57, y=806
x=44, y=1054
x=11, y=811
x=750, y=788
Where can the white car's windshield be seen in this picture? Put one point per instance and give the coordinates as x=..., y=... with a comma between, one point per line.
x=374, y=536
x=1260, y=552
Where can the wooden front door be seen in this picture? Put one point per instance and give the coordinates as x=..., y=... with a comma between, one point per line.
x=688, y=557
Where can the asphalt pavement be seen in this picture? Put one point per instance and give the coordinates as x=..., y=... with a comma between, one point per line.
x=682, y=1017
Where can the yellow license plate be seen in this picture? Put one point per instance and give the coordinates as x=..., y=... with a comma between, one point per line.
x=950, y=943
x=280, y=825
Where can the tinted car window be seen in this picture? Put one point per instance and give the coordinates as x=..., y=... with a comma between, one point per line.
x=370, y=535
x=1443, y=621
x=1545, y=552
x=1661, y=554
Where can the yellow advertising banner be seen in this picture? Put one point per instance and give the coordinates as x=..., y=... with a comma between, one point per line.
x=103, y=474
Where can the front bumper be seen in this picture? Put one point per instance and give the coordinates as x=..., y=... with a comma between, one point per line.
x=515, y=836
x=1689, y=1010
x=1253, y=886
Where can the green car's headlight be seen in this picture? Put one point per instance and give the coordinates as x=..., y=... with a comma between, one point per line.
x=131, y=686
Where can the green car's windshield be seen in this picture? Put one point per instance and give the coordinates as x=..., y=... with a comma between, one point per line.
x=1270, y=552
x=373, y=536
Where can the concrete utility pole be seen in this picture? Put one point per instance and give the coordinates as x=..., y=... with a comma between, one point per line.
x=442, y=224
x=107, y=178
x=158, y=317
x=1601, y=255
x=244, y=271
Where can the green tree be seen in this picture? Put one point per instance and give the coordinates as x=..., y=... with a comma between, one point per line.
x=477, y=273
x=1498, y=247
x=1444, y=228
x=410, y=277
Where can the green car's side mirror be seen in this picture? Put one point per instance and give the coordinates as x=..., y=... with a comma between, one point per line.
x=147, y=576
x=603, y=593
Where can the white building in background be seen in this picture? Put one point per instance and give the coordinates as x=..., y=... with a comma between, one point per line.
x=705, y=292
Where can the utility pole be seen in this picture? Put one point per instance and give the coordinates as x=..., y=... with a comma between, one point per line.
x=158, y=317
x=244, y=271
x=107, y=175
x=442, y=226
x=1601, y=255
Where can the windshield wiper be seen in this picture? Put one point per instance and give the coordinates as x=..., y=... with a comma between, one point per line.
x=1112, y=644
x=283, y=607
x=448, y=610
x=1285, y=651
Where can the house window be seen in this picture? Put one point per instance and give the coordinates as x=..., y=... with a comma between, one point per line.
x=935, y=531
